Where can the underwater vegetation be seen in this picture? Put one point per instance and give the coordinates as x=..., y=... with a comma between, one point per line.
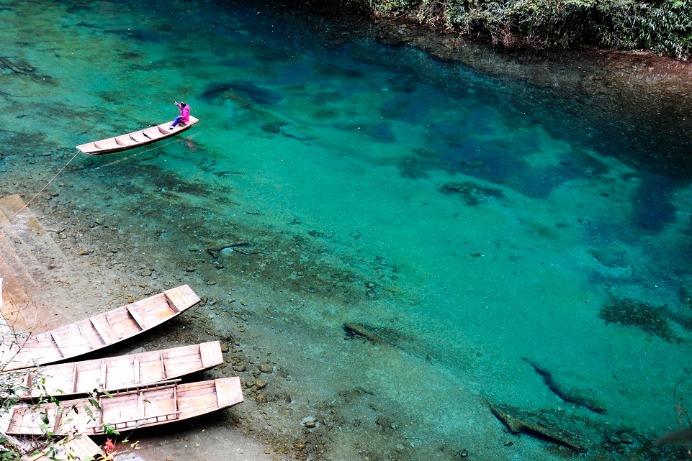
x=23, y=68
x=646, y=317
x=473, y=194
x=216, y=91
x=273, y=127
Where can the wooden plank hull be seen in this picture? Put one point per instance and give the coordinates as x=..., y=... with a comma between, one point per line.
x=99, y=331
x=114, y=373
x=72, y=447
x=126, y=410
x=134, y=139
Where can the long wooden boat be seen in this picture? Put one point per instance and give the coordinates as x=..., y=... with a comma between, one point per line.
x=72, y=447
x=113, y=373
x=135, y=139
x=96, y=332
x=125, y=410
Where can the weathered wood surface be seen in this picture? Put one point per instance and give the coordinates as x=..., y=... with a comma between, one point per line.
x=114, y=373
x=568, y=395
x=97, y=332
x=518, y=421
x=134, y=139
x=72, y=447
x=126, y=410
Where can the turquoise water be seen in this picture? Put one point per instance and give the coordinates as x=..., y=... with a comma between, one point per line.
x=472, y=225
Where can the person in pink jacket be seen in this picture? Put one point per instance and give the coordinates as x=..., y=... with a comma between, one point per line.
x=184, y=116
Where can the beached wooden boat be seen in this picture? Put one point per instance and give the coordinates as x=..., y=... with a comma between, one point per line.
x=96, y=332
x=135, y=139
x=114, y=373
x=73, y=447
x=125, y=410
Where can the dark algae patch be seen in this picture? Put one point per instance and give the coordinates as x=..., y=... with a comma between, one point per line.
x=473, y=194
x=646, y=317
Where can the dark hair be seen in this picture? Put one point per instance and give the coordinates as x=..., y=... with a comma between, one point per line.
x=183, y=104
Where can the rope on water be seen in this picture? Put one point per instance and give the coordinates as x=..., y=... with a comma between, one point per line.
x=26, y=205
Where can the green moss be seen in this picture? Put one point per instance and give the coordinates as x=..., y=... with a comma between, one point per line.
x=646, y=317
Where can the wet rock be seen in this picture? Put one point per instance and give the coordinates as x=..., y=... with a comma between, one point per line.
x=261, y=398
x=385, y=423
x=266, y=368
x=310, y=422
x=300, y=444
x=260, y=383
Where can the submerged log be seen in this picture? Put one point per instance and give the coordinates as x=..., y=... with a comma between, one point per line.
x=363, y=331
x=216, y=252
x=568, y=395
x=535, y=425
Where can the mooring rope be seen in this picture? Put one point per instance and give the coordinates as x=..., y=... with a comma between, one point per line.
x=26, y=205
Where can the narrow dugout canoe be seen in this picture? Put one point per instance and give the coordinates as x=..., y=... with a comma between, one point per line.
x=126, y=410
x=134, y=139
x=114, y=373
x=96, y=332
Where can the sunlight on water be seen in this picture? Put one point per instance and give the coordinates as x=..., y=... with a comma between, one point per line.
x=448, y=212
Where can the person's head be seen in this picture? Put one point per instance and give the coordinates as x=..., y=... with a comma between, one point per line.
x=183, y=104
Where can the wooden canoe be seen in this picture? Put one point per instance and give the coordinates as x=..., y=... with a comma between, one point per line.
x=134, y=139
x=114, y=373
x=72, y=447
x=125, y=410
x=96, y=332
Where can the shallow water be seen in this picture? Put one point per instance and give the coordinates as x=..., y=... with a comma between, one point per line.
x=473, y=225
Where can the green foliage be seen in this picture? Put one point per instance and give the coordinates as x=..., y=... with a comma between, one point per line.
x=665, y=28
x=109, y=429
x=661, y=26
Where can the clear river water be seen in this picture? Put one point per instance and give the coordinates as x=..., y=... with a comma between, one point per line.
x=412, y=242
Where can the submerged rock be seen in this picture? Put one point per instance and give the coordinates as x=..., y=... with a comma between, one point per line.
x=473, y=194
x=216, y=91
